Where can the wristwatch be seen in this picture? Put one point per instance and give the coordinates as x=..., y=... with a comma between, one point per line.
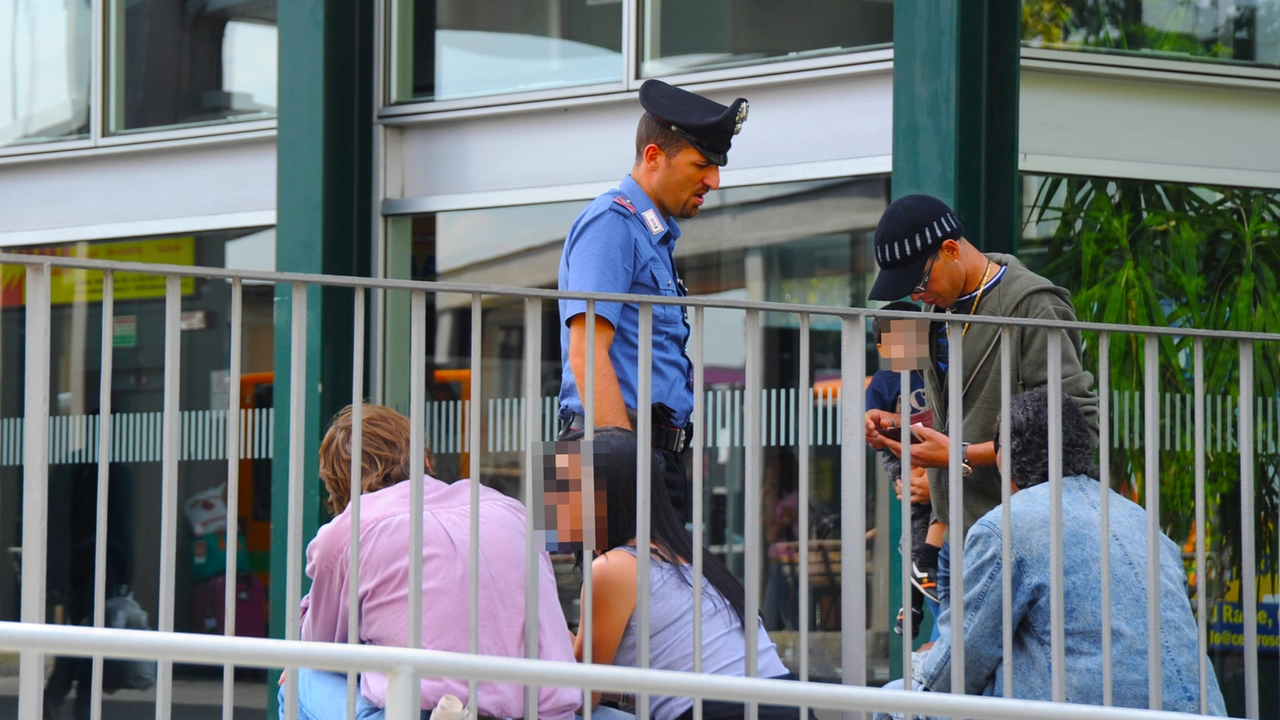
x=964, y=459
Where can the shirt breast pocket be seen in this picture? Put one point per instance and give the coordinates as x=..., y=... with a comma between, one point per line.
x=666, y=285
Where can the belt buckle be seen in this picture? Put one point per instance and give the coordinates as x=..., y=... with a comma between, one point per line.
x=680, y=439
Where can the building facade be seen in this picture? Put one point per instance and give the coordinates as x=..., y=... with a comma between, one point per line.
x=456, y=141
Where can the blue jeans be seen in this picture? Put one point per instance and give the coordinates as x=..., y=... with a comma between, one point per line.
x=323, y=696
x=943, y=589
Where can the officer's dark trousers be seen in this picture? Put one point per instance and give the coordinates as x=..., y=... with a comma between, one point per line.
x=676, y=476
x=674, y=473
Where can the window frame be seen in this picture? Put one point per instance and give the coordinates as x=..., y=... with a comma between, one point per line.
x=103, y=60
x=398, y=49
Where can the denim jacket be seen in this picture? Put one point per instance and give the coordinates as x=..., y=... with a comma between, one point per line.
x=1082, y=592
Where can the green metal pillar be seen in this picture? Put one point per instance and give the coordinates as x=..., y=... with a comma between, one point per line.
x=955, y=136
x=324, y=209
x=955, y=111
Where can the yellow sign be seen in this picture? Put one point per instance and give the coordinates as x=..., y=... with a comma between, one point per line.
x=72, y=286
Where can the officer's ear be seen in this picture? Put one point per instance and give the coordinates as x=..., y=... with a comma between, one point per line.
x=651, y=155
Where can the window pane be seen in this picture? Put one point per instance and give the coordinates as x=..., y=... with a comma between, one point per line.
x=684, y=35
x=469, y=48
x=44, y=80
x=1217, y=30
x=177, y=63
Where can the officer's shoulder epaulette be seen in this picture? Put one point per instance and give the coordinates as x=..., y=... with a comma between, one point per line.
x=621, y=204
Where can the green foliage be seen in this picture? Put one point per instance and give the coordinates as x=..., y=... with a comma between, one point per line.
x=1169, y=255
x=1118, y=25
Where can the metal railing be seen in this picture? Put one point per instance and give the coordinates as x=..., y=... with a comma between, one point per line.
x=33, y=638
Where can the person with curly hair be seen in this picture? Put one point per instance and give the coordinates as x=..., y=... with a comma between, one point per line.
x=1029, y=508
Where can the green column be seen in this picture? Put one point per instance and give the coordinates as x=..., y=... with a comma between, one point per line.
x=324, y=209
x=955, y=111
x=955, y=136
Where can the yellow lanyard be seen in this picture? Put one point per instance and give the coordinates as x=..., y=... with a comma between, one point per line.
x=977, y=299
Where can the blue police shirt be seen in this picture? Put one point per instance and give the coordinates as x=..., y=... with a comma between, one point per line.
x=621, y=243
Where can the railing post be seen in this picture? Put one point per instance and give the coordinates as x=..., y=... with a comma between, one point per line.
x=35, y=484
x=172, y=450
x=1248, y=519
x=104, y=485
x=1151, y=490
x=532, y=475
x=357, y=486
x=853, y=497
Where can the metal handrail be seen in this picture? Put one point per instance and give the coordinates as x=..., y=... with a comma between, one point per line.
x=435, y=286
x=338, y=657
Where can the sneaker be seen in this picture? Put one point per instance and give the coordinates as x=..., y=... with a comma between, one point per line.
x=926, y=581
x=917, y=617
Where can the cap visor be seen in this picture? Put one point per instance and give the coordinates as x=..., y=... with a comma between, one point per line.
x=895, y=283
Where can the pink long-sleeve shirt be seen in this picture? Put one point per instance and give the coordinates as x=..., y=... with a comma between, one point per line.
x=446, y=548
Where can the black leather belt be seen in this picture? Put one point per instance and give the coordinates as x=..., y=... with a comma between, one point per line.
x=661, y=436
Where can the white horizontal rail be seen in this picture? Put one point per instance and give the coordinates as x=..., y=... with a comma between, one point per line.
x=337, y=657
x=508, y=291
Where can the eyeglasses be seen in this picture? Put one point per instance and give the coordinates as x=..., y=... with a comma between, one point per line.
x=924, y=281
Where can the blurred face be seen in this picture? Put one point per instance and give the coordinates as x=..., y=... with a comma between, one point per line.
x=682, y=181
x=945, y=281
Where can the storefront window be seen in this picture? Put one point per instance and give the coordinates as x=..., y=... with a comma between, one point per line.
x=44, y=86
x=471, y=48
x=685, y=35
x=800, y=242
x=1210, y=30
x=1173, y=255
x=175, y=63
x=137, y=385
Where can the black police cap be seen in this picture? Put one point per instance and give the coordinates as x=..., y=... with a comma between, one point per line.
x=706, y=124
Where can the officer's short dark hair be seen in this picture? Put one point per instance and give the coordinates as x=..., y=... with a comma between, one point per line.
x=651, y=132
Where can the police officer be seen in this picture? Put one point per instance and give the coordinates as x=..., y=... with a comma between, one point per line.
x=623, y=242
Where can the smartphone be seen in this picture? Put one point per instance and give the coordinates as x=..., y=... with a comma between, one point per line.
x=924, y=417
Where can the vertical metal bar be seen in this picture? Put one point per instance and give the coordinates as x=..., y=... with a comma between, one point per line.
x=169, y=484
x=904, y=510
x=533, y=421
x=752, y=529
x=699, y=433
x=644, y=475
x=403, y=695
x=1151, y=488
x=233, y=487
x=630, y=45
x=1006, y=517
x=587, y=393
x=357, y=486
x=35, y=483
x=104, y=484
x=297, y=447
x=955, y=485
x=1104, y=494
x=1202, y=560
x=1248, y=519
x=417, y=451
x=802, y=450
x=1057, y=613
x=853, y=499
x=473, y=448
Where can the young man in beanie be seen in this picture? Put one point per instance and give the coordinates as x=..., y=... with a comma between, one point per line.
x=624, y=242
x=922, y=252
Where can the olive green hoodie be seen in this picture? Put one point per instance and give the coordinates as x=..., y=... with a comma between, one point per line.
x=1020, y=294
